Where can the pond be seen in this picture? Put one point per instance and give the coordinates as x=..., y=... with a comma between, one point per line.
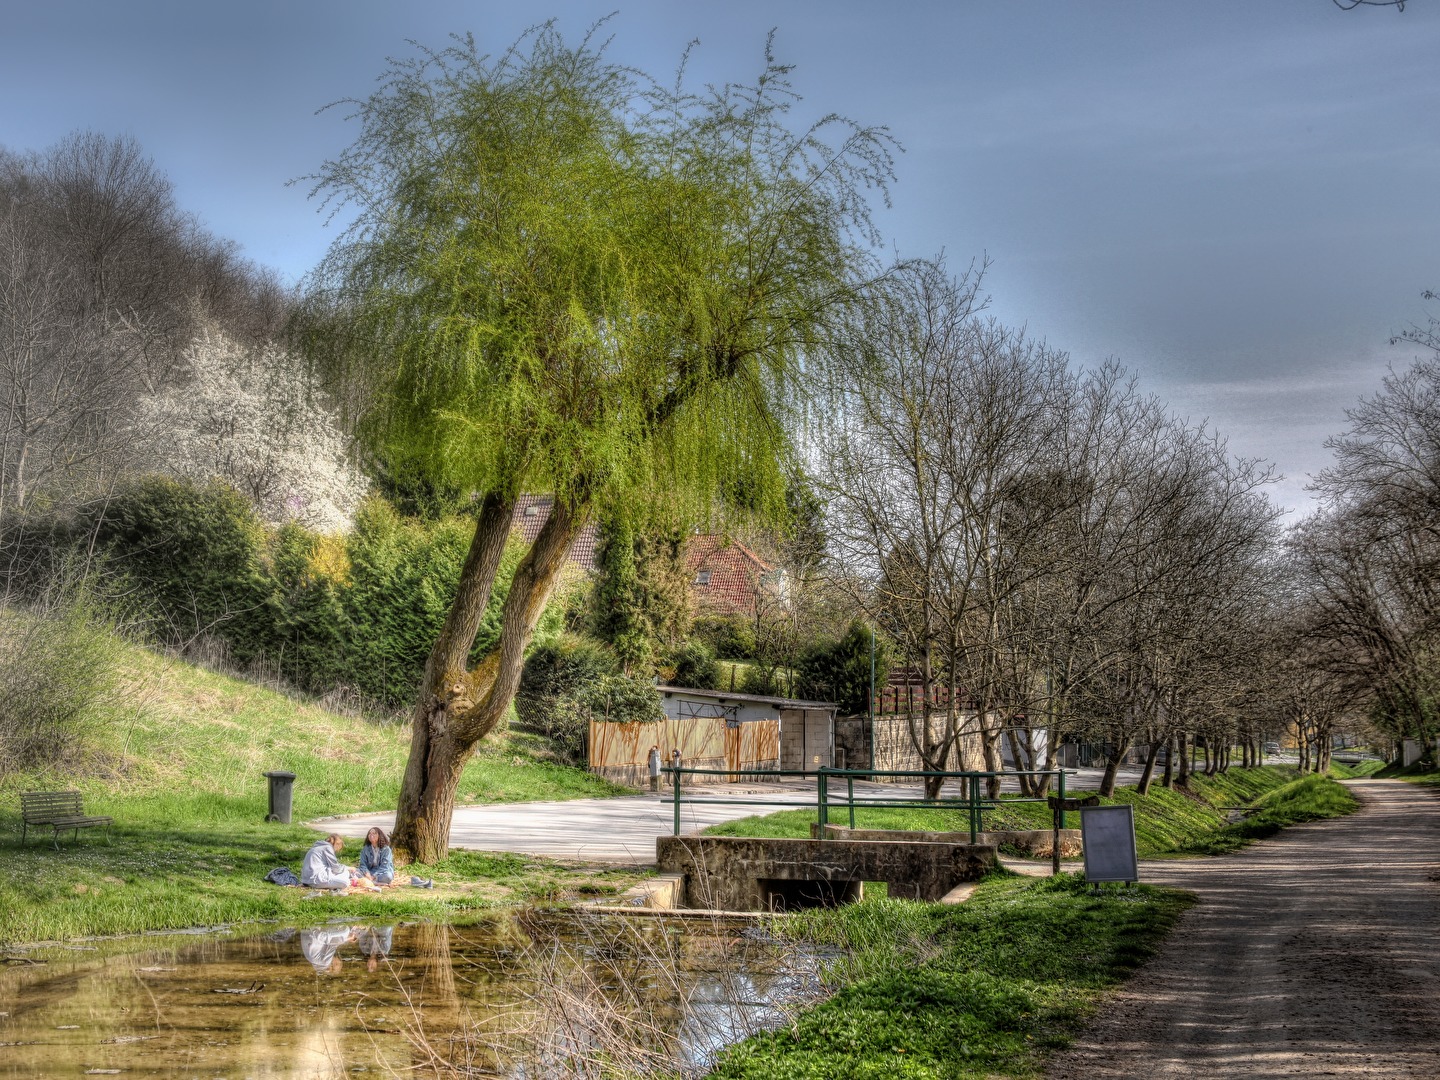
x=523, y=994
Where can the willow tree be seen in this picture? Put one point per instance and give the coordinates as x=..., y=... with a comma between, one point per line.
x=563, y=276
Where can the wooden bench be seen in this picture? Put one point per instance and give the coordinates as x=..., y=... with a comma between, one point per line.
x=61, y=810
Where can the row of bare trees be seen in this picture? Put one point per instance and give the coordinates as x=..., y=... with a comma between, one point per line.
x=1367, y=565
x=103, y=284
x=1052, y=547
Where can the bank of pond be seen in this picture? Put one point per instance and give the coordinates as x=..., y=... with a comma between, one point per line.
x=880, y=988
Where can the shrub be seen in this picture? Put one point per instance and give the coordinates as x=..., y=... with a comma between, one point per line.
x=695, y=666
x=570, y=681
x=557, y=673
x=839, y=671
x=197, y=552
x=620, y=699
x=60, y=674
x=728, y=636
x=761, y=680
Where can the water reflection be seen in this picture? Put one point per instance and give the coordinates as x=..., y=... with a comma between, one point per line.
x=523, y=995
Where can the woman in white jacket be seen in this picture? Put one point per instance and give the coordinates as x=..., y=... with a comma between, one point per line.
x=322, y=869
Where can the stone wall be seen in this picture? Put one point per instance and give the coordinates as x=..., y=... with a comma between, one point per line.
x=894, y=749
x=741, y=873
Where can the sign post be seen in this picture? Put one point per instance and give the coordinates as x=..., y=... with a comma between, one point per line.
x=1061, y=805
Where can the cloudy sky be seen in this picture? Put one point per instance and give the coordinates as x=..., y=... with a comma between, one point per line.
x=1235, y=199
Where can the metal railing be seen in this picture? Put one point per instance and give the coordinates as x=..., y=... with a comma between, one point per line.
x=971, y=801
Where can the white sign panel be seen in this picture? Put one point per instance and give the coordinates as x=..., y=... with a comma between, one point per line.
x=1108, y=833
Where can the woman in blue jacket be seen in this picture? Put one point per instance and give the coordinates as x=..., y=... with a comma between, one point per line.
x=377, y=861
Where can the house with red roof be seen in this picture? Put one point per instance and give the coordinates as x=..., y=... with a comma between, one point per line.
x=531, y=513
x=728, y=579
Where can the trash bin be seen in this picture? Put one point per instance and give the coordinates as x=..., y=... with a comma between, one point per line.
x=282, y=791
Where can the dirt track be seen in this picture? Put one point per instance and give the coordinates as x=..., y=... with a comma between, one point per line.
x=1313, y=954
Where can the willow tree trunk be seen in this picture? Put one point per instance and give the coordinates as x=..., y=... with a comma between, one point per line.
x=459, y=705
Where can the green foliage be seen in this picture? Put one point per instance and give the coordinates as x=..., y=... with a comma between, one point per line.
x=695, y=666
x=762, y=680
x=620, y=699
x=729, y=637
x=565, y=667
x=359, y=612
x=840, y=671
x=557, y=677
x=975, y=990
x=565, y=276
x=60, y=677
x=197, y=553
x=641, y=602
x=400, y=581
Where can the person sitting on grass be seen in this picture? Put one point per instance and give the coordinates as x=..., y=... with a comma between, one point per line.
x=377, y=861
x=322, y=869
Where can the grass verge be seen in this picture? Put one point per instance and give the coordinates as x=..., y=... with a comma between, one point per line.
x=986, y=988
x=1167, y=820
x=1310, y=798
x=1339, y=770
x=181, y=776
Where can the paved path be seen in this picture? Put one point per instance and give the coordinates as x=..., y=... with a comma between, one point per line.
x=1313, y=954
x=623, y=830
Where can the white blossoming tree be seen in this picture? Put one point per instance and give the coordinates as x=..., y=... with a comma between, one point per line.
x=252, y=417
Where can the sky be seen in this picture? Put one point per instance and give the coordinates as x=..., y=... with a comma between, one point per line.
x=1237, y=200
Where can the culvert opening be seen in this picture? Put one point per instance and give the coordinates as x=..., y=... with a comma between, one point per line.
x=784, y=894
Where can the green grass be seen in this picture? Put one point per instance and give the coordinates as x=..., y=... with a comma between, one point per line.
x=181, y=775
x=1414, y=774
x=982, y=989
x=1166, y=820
x=1310, y=798
x=1369, y=767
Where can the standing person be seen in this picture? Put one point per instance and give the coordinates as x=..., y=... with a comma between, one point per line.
x=322, y=868
x=675, y=758
x=654, y=763
x=377, y=861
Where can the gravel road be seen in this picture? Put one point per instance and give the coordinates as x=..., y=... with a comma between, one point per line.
x=1313, y=954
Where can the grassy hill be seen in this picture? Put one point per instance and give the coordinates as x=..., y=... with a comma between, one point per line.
x=180, y=771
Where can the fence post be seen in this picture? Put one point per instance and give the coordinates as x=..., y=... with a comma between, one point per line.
x=1055, y=837
x=677, y=801
x=974, y=807
x=850, y=795
x=822, y=801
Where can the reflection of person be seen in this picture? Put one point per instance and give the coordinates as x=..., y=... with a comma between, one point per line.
x=322, y=868
x=654, y=766
x=377, y=861
x=321, y=944
x=375, y=943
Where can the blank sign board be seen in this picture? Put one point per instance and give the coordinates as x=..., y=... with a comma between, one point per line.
x=1108, y=833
